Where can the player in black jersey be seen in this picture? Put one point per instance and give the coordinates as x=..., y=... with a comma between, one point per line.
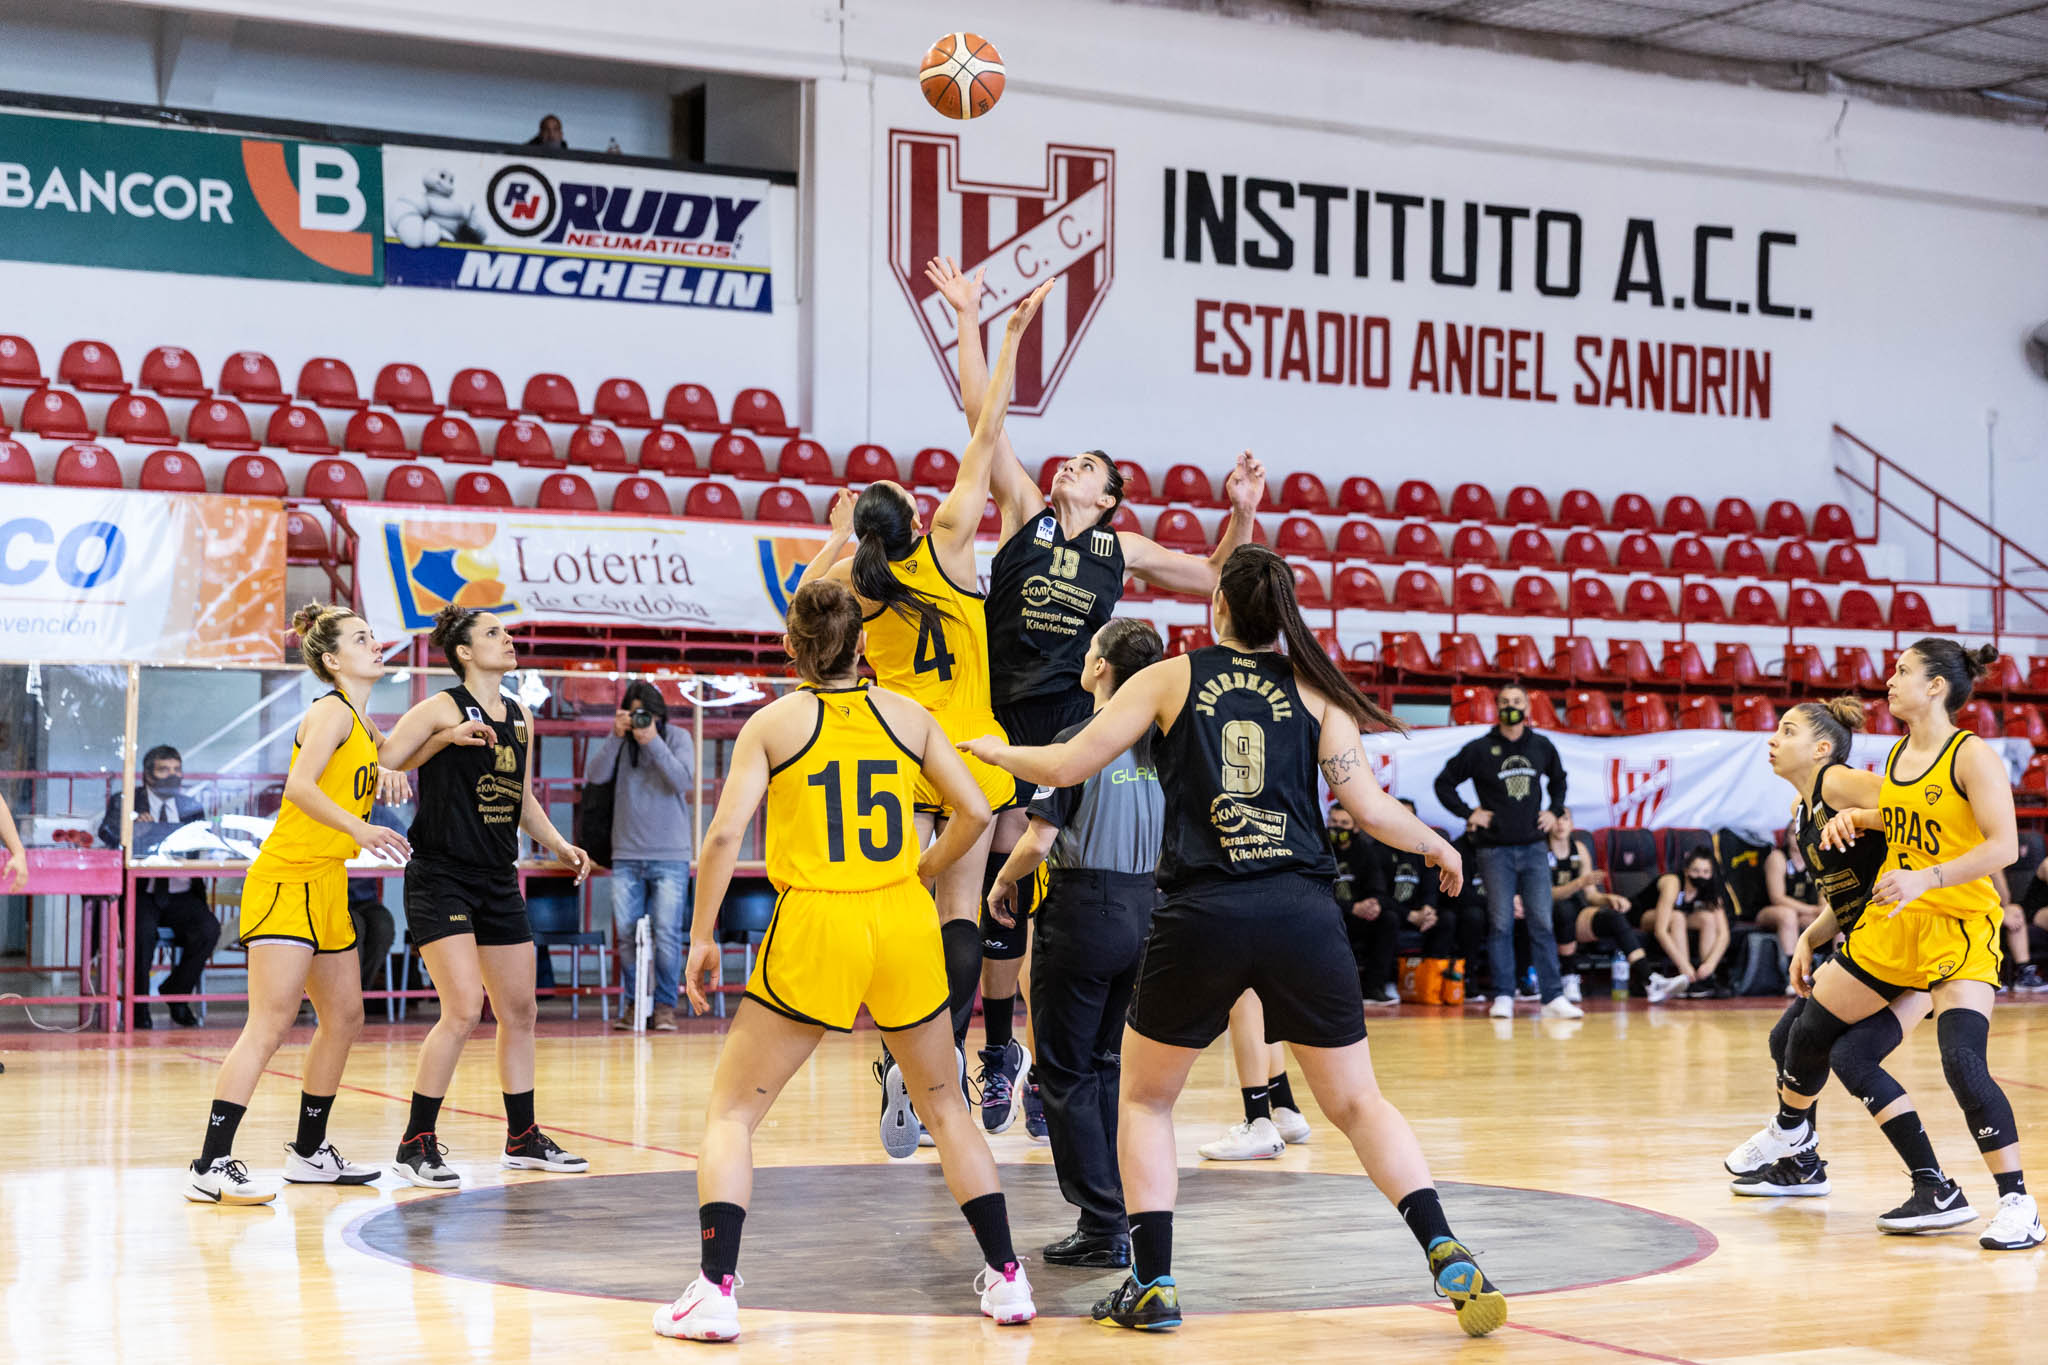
x=1246, y=878
x=1810, y=750
x=472, y=745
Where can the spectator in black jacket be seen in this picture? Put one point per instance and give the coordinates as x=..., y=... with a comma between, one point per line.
x=1509, y=768
x=1392, y=891
x=175, y=903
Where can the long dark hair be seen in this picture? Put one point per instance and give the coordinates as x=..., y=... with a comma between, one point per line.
x=648, y=698
x=1959, y=667
x=882, y=521
x=1113, y=482
x=1128, y=646
x=1258, y=587
x=452, y=626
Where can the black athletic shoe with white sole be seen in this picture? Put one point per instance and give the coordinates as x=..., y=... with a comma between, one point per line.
x=1934, y=1205
x=534, y=1150
x=1791, y=1177
x=419, y=1163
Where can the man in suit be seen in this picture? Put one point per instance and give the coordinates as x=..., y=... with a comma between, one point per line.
x=175, y=903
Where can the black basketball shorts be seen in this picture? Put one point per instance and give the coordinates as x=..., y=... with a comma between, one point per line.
x=1039, y=720
x=444, y=899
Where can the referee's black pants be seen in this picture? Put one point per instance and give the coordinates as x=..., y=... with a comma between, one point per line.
x=1090, y=931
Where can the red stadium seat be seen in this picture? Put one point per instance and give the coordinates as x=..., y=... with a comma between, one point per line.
x=1858, y=610
x=1177, y=529
x=1299, y=536
x=139, y=420
x=480, y=488
x=1592, y=597
x=787, y=505
x=1137, y=483
x=1474, y=545
x=566, y=493
x=2022, y=720
x=1646, y=600
x=1308, y=589
x=1701, y=604
x=1188, y=639
x=1743, y=559
x=1473, y=706
x=404, y=388
x=1632, y=512
x=1574, y=660
x=1644, y=713
x=1845, y=565
x=934, y=467
x=1477, y=592
x=376, y=435
x=1359, y=587
x=251, y=377
x=642, y=497
x=927, y=506
x=1878, y=718
x=1701, y=713
x=1360, y=540
x=1516, y=656
x=413, y=483
x=1909, y=611
x=329, y=383
x=220, y=425
x=1755, y=713
x=1416, y=590
x=667, y=452
x=552, y=398
x=713, y=500
x=1047, y=472
x=1831, y=521
x=2037, y=673
x=20, y=367
x=1473, y=502
x=1359, y=496
x=298, y=429
x=623, y=403
x=805, y=460
x=1853, y=671
x=1690, y=555
x=1416, y=541
x=991, y=525
x=1805, y=608
x=1637, y=553
x=1542, y=712
x=1784, y=521
x=759, y=410
x=1805, y=668
x=1415, y=498
x=254, y=476
x=173, y=372
x=1977, y=717
x=305, y=541
x=1630, y=661
x=1683, y=515
x=1735, y=665
x=2034, y=781
x=1223, y=524
x=1302, y=491
x=87, y=466
x=1402, y=651
x=1589, y=713
x=1584, y=550
x=171, y=471
x=872, y=463
x=599, y=448
x=737, y=456
x=56, y=414
x=1459, y=655
x=1529, y=548
x=1734, y=517
x=2002, y=676
x=1794, y=559
x=1755, y=607
x=91, y=367
x=450, y=438
x=526, y=442
x=1534, y=596
x=1528, y=507
x=1580, y=508
x=338, y=480
x=691, y=407
x=1186, y=483
x=480, y=393
x=1682, y=664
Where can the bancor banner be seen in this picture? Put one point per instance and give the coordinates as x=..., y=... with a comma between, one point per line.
x=80, y=192
x=1680, y=779
x=91, y=575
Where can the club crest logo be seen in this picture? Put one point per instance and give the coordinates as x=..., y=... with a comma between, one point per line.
x=1932, y=791
x=1062, y=227
x=1636, y=792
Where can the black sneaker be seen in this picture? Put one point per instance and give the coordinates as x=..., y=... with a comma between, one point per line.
x=419, y=1162
x=1794, y=1177
x=1935, y=1203
x=1002, y=1070
x=1095, y=1250
x=2029, y=979
x=1153, y=1307
x=1034, y=1109
x=534, y=1150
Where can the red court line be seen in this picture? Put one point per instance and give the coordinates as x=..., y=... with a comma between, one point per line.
x=2029, y=1085
x=472, y=1113
x=1576, y=1341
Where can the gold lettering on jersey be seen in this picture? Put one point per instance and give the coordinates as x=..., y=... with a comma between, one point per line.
x=1838, y=887
x=1245, y=833
x=1056, y=607
x=1275, y=696
x=1244, y=758
x=1907, y=828
x=506, y=759
x=498, y=799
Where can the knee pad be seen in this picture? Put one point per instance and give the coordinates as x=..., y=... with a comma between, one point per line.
x=1614, y=926
x=1781, y=1032
x=1858, y=1060
x=1963, y=1035
x=1805, y=1069
x=961, y=939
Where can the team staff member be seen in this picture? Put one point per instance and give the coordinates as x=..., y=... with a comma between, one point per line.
x=1509, y=769
x=837, y=762
x=472, y=745
x=295, y=924
x=1103, y=838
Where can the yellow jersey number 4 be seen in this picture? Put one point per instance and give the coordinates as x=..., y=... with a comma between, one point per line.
x=876, y=845
x=932, y=655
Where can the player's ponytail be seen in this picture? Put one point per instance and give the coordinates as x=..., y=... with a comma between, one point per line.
x=822, y=631
x=1960, y=668
x=882, y=521
x=1258, y=588
x=1833, y=720
x=318, y=626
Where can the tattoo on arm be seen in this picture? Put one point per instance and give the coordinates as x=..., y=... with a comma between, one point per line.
x=1339, y=768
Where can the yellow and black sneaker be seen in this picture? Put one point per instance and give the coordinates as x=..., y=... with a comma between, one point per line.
x=1481, y=1307
x=1153, y=1307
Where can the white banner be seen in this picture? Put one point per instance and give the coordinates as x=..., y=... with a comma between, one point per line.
x=1680, y=779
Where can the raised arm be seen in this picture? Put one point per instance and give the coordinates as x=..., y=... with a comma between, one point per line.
x=1017, y=497
x=324, y=729
x=746, y=782
x=959, y=516
x=1192, y=574
x=1150, y=698
x=1342, y=758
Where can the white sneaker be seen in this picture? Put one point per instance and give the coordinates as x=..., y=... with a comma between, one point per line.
x=1662, y=988
x=1005, y=1295
x=1503, y=1007
x=1291, y=1126
x=705, y=1312
x=226, y=1181
x=325, y=1167
x=2015, y=1227
x=1257, y=1140
x=1562, y=1008
x=1571, y=988
x=1770, y=1145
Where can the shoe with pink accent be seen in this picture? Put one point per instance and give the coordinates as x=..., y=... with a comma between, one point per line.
x=705, y=1312
x=1005, y=1295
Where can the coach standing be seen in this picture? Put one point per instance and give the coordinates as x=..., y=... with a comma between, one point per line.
x=1509, y=768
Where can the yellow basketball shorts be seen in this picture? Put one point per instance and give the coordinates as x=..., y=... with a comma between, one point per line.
x=313, y=911
x=1920, y=949
x=998, y=786
x=827, y=953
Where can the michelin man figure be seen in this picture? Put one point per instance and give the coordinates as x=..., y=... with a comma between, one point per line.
x=435, y=216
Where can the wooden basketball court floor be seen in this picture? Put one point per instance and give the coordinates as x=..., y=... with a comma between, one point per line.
x=1582, y=1159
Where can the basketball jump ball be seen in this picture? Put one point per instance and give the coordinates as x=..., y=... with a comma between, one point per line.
x=962, y=76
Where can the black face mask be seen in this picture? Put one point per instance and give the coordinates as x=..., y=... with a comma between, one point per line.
x=1512, y=716
x=166, y=786
x=1340, y=838
x=1701, y=885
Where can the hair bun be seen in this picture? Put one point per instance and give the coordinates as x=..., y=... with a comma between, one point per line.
x=1980, y=659
x=448, y=620
x=306, y=617
x=1846, y=710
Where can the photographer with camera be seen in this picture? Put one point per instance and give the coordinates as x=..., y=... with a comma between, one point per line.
x=652, y=769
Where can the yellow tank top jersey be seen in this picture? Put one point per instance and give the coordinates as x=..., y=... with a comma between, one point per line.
x=1928, y=820
x=299, y=845
x=840, y=808
x=944, y=670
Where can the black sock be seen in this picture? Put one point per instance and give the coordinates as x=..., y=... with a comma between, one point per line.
x=999, y=1017
x=990, y=1219
x=1789, y=1118
x=2010, y=1182
x=518, y=1112
x=1909, y=1139
x=1151, y=1245
x=426, y=1112
x=220, y=1132
x=1281, y=1092
x=313, y=1111
x=1258, y=1103
x=721, y=1227
x=961, y=939
x=1423, y=1212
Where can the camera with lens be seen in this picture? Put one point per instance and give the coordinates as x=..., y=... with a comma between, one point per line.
x=641, y=718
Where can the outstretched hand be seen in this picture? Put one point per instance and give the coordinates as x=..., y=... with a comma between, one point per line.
x=1245, y=486
x=962, y=291
x=841, y=515
x=1021, y=316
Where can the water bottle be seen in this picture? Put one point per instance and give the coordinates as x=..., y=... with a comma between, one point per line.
x=1619, y=967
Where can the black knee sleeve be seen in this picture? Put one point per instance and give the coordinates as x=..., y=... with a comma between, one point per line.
x=1858, y=1059
x=1781, y=1032
x=1963, y=1035
x=1805, y=1068
x=962, y=941
x=1613, y=926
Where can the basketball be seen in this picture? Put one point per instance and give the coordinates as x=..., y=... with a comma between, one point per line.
x=962, y=75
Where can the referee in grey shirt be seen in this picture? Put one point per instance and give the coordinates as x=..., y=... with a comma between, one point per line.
x=1103, y=837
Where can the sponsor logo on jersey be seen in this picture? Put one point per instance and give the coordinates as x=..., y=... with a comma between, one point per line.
x=1102, y=542
x=1047, y=527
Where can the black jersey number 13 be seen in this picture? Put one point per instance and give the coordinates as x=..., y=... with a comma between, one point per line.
x=871, y=802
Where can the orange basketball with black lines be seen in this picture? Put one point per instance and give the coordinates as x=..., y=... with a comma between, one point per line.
x=962, y=75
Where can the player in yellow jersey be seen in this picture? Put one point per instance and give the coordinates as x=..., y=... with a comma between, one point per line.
x=837, y=762
x=295, y=921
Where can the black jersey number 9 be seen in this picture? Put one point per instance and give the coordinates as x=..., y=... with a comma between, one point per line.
x=932, y=655
x=871, y=803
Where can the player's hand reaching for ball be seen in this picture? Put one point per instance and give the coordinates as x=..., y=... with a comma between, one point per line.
x=387, y=844
x=1245, y=485
x=1450, y=868
x=841, y=516
x=962, y=291
x=697, y=975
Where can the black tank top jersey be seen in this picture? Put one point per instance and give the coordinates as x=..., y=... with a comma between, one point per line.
x=1047, y=596
x=1239, y=772
x=470, y=794
x=1844, y=876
